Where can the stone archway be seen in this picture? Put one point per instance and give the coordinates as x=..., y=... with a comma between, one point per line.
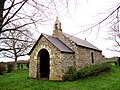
x=44, y=64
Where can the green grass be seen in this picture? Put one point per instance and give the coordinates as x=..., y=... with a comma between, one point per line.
x=18, y=80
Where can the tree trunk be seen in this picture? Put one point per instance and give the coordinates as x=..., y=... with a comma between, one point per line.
x=1, y=12
x=15, y=64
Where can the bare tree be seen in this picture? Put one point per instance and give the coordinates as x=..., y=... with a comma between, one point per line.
x=114, y=36
x=28, y=12
x=16, y=44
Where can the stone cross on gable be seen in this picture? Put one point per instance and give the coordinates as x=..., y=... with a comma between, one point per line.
x=57, y=25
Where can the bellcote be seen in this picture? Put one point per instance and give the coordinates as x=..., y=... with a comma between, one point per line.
x=57, y=27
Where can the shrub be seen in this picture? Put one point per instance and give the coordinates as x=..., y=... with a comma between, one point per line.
x=18, y=66
x=70, y=74
x=73, y=74
x=10, y=67
x=27, y=65
x=2, y=68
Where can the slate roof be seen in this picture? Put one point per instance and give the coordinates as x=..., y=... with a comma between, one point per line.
x=81, y=42
x=58, y=43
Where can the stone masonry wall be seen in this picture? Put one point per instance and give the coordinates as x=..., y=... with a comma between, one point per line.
x=85, y=58
x=55, y=60
x=68, y=60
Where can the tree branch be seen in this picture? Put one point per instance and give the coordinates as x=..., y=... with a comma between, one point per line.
x=14, y=13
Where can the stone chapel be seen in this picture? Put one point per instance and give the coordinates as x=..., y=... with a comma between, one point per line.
x=51, y=56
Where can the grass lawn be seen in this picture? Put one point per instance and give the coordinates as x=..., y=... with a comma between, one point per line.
x=17, y=80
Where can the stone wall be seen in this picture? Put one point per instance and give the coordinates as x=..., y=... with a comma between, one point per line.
x=67, y=61
x=55, y=60
x=84, y=57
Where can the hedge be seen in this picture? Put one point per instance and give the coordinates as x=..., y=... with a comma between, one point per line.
x=73, y=74
x=10, y=67
x=2, y=68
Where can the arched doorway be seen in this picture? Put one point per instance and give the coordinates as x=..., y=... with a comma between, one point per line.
x=44, y=64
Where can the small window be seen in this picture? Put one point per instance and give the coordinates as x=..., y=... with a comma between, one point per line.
x=92, y=57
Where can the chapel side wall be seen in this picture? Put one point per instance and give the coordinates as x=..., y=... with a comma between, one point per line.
x=99, y=58
x=55, y=57
x=84, y=57
x=67, y=61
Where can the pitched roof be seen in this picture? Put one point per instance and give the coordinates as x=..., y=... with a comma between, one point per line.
x=56, y=42
x=81, y=42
